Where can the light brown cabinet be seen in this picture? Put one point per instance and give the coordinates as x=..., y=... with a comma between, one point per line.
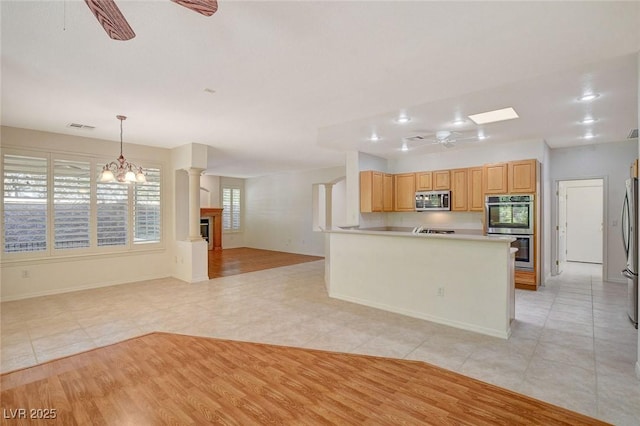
x=441, y=180
x=459, y=188
x=634, y=169
x=514, y=177
x=424, y=181
x=387, y=192
x=371, y=191
x=476, y=196
x=405, y=192
x=494, y=178
x=522, y=177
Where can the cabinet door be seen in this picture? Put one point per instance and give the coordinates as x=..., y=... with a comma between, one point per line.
x=387, y=193
x=405, y=186
x=371, y=191
x=476, y=197
x=634, y=169
x=424, y=181
x=459, y=196
x=441, y=180
x=522, y=176
x=494, y=178
x=376, y=198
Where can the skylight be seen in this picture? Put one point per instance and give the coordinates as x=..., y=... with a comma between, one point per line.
x=494, y=116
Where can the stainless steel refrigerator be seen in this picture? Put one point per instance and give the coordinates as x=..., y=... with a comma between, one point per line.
x=630, y=243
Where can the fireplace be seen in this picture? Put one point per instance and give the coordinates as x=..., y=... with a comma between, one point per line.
x=211, y=227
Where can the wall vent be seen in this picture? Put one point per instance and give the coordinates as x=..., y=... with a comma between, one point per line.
x=80, y=126
x=633, y=134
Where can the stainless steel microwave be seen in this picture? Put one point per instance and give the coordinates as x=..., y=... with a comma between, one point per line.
x=433, y=200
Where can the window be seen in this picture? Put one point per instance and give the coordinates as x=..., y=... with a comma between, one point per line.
x=71, y=204
x=231, y=209
x=113, y=214
x=52, y=204
x=146, y=209
x=25, y=203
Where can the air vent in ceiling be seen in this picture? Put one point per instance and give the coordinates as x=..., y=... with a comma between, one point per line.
x=80, y=126
x=633, y=134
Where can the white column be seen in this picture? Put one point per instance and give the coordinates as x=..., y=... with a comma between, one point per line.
x=328, y=209
x=194, y=203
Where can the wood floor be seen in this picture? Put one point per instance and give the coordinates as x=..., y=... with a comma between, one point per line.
x=235, y=261
x=165, y=378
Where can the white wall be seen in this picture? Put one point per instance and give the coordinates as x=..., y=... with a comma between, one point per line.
x=468, y=156
x=278, y=211
x=610, y=161
x=210, y=195
x=50, y=275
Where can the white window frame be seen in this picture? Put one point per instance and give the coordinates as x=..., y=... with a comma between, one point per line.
x=93, y=249
x=230, y=212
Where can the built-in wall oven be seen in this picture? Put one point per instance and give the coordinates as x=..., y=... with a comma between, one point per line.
x=513, y=215
x=509, y=214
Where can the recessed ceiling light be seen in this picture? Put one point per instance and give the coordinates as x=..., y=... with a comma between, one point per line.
x=588, y=97
x=404, y=147
x=494, y=116
x=589, y=136
x=374, y=137
x=403, y=119
x=481, y=137
x=588, y=120
x=458, y=121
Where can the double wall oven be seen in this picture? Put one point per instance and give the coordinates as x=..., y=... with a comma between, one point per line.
x=513, y=215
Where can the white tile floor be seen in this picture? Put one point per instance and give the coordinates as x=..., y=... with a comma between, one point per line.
x=572, y=344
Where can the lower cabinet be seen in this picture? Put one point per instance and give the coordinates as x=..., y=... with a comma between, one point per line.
x=526, y=280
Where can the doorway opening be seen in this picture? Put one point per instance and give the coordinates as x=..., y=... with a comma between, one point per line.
x=580, y=231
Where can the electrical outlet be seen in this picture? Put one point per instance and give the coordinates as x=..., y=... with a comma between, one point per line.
x=441, y=291
x=25, y=273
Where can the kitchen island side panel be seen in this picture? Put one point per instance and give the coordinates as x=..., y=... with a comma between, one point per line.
x=458, y=282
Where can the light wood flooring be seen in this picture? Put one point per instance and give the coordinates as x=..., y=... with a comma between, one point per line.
x=226, y=262
x=163, y=378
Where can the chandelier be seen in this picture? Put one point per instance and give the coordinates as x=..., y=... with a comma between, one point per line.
x=121, y=170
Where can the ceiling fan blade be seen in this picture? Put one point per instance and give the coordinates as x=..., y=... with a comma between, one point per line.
x=203, y=7
x=111, y=19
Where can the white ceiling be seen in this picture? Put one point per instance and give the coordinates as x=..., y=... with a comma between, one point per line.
x=297, y=83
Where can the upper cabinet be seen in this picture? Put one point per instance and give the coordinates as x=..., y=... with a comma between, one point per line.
x=475, y=194
x=424, y=181
x=387, y=192
x=405, y=192
x=441, y=180
x=459, y=188
x=494, y=178
x=634, y=169
x=514, y=177
x=522, y=176
x=371, y=191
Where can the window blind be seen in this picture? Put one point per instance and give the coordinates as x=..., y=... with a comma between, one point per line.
x=113, y=213
x=71, y=204
x=146, y=209
x=25, y=203
x=231, y=209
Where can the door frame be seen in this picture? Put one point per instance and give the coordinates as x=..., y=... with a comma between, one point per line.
x=556, y=216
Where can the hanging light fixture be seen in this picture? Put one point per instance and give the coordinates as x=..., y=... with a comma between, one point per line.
x=121, y=170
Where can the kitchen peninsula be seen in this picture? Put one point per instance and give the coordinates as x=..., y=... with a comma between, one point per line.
x=465, y=281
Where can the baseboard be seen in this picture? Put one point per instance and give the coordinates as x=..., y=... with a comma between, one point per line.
x=427, y=317
x=80, y=288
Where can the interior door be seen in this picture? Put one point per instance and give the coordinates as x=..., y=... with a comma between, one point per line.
x=562, y=226
x=584, y=224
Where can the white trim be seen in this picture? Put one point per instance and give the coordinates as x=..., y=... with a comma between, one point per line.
x=420, y=315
